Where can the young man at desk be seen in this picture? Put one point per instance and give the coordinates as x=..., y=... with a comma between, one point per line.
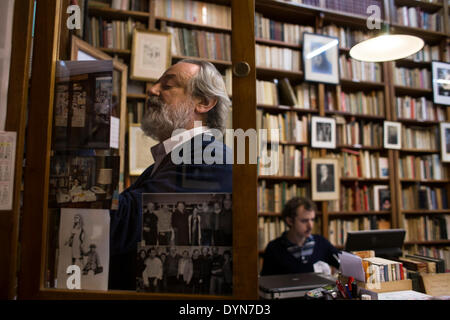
x=297, y=250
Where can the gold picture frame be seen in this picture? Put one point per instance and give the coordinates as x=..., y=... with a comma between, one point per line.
x=151, y=54
x=325, y=179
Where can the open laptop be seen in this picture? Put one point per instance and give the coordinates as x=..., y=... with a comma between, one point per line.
x=291, y=285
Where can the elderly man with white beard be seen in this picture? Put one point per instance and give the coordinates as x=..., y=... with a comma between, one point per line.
x=188, y=105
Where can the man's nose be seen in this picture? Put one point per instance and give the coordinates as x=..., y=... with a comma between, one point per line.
x=155, y=90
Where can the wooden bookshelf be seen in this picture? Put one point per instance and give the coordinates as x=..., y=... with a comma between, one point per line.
x=116, y=14
x=402, y=90
x=197, y=25
x=278, y=73
x=355, y=115
x=422, y=211
x=426, y=5
x=356, y=84
x=136, y=96
x=283, y=178
x=428, y=242
x=359, y=213
x=279, y=43
x=281, y=108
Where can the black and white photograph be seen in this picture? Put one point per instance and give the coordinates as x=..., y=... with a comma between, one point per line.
x=325, y=179
x=84, y=242
x=184, y=228
x=445, y=141
x=87, y=181
x=323, y=132
x=392, y=135
x=441, y=82
x=320, y=58
x=381, y=198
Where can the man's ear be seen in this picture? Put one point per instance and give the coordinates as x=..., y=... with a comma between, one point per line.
x=289, y=222
x=204, y=105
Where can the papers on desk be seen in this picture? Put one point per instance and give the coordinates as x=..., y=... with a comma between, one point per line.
x=403, y=295
x=351, y=266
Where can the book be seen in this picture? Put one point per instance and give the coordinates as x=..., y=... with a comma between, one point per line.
x=286, y=93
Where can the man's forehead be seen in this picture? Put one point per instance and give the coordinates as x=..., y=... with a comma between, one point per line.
x=181, y=71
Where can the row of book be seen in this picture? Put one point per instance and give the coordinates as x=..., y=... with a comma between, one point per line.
x=281, y=92
x=427, y=54
x=415, y=78
x=432, y=252
x=200, y=43
x=427, y=228
x=273, y=197
x=359, y=133
x=195, y=11
x=362, y=164
x=417, y=18
x=134, y=5
x=420, y=138
x=135, y=111
x=352, y=69
x=362, y=198
x=366, y=103
x=338, y=228
x=420, y=109
x=277, y=58
x=287, y=160
x=347, y=37
x=427, y=167
x=270, y=228
x=113, y=34
x=378, y=270
x=280, y=31
x=292, y=128
x=424, y=198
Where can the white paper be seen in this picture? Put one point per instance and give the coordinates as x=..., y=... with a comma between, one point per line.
x=403, y=295
x=75, y=247
x=351, y=266
x=7, y=166
x=114, y=133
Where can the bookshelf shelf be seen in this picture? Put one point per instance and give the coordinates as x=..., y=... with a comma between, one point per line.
x=428, y=6
x=112, y=51
x=424, y=181
x=356, y=115
x=136, y=96
x=213, y=61
x=358, y=213
x=278, y=73
x=119, y=14
x=278, y=43
x=277, y=214
x=402, y=90
x=281, y=108
x=419, y=151
x=372, y=180
x=422, y=211
x=360, y=147
x=427, y=35
x=418, y=122
x=197, y=25
x=358, y=85
x=284, y=178
x=429, y=242
x=408, y=63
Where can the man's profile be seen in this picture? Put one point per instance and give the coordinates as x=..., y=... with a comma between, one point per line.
x=325, y=178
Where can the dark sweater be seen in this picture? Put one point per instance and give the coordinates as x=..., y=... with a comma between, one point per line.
x=278, y=260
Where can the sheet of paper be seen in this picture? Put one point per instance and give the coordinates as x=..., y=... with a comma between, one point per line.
x=7, y=166
x=114, y=133
x=351, y=265
x=437, y=284
x=403, y=295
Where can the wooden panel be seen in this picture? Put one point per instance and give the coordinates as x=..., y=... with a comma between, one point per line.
x=15, y=121
x=245, y=220
x=34, y=228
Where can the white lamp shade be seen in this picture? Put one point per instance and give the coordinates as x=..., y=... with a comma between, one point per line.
x=386, y=47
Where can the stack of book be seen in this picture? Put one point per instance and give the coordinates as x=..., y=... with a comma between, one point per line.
x=427, y=54
x=350, y=69
x=415, y=17
x=347, y=37
x=427, y=167
x=427, y=228
x=439, y=253
x=415, y=78
x=277, y=58
x=362, y=164
x=365, y=103
x=360, y=198
x=292, y=128
x=420, y=138
x=420, y=109
x=425, y=198
x=359, y=133
x=286, y=32
x=273, y=197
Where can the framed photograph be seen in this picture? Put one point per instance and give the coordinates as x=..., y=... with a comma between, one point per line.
x=140, y=155
x=381, y=198
x=325, y=179
x=323, y=132
x=178, y=246
x=445, y=141
x=320, y=58
x=392, y=135
x=150, y=54
x=441, y=82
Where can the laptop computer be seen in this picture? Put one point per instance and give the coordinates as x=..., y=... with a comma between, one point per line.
x=292, y=285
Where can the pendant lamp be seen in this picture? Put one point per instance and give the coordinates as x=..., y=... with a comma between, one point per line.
x=386, y=47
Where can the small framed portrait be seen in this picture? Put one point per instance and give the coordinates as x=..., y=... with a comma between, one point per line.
x=445, y=141
x=392, y=135
x=381, y=198
x=320, y=58
x=150, y=54
x=441, y=82
x=323, y=132
x=325, y=179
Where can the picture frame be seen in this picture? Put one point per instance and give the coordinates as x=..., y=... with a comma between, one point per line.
x=323, y=132
x=150, y=54
x=381, y=193
x=324, y=179
x=140, y=157
x=392, y=135
x=320, y=58
x=445, y=141
x=441, y=82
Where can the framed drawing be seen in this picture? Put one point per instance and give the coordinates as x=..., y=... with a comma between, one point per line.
x=320, y=58
x=445, y=141
x=82, y=51
x=325, y=179
x=139, y=154
x=150, y=54
x=392, y=135
x=441, y=82
x=381, y=198
x=323, y=132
